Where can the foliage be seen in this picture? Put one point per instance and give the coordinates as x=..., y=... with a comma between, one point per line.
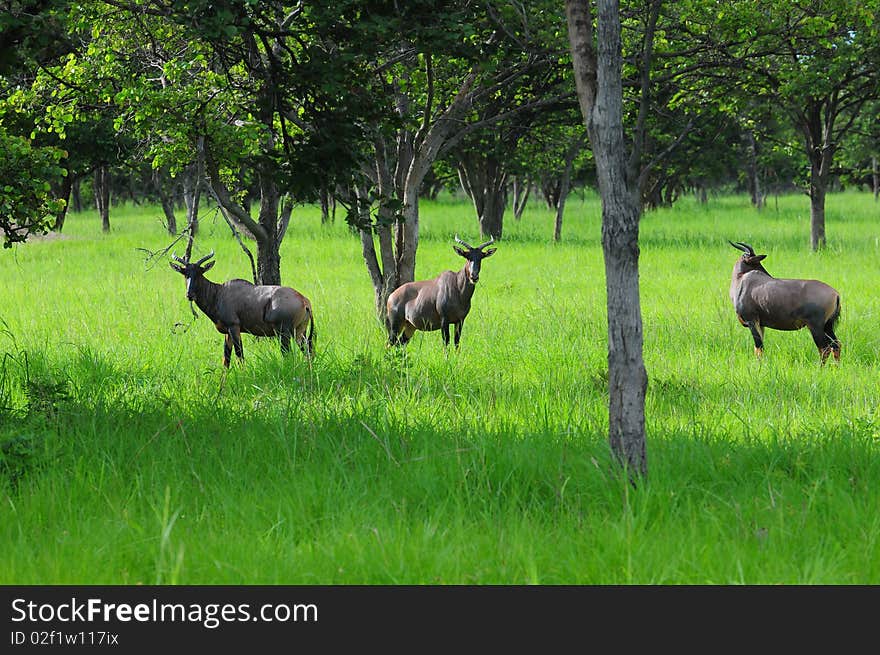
x=33, y=31
x=26, y=204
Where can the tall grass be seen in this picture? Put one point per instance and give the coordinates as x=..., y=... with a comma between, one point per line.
x=129, y=455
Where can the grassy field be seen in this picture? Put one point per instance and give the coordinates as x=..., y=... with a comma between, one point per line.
x=131, y=456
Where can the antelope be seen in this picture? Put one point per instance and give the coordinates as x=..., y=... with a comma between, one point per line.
x=429, y=305
x=763, y=301
x=238, y=306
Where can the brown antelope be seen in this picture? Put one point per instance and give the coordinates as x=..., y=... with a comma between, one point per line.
x=763, y=301
x=438, y=303
x=238, y=306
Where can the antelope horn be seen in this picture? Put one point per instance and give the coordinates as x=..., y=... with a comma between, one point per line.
x=178, y=259
x=739, y=245
x=464, y=243
x=488, y=243
x=205, y=258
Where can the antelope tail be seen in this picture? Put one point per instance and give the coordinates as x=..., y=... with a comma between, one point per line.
x=311, y=337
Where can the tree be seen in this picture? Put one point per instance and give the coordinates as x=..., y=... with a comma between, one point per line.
x=229, y=87
x=861, y=158
x=817, y=62
x=537, y=93
x=447, y=63
x=598, y=79
x=26, y=204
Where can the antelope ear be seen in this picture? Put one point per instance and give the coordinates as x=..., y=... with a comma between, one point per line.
x=460, y=251
x=758, y=258
x=208, y=266
x=177, y=268
x=489, y=252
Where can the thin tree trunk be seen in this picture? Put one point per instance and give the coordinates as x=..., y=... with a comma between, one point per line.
x=817, y=212
x=382, y=266
x=265, y=230
x=550, y=191
x=565, y=186
x=820, y=163
x=485, y=182
x=192, y=190
x=66, y=187
x=754, y=181
x=816, y=123
x=102, y=195
x=77, y=197
x=167, y=202
x=600, y=94
x=521, y=191
x=702, y=194
x=268, y=252
x=326, y=215
x=875, y=176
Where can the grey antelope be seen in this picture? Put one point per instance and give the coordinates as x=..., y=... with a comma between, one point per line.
x=438, y=303
x=761, y=300
x=238, y=306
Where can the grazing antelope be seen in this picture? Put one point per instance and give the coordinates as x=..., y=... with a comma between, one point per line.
x=238, y=306
x=436, y=304
x=763, y=301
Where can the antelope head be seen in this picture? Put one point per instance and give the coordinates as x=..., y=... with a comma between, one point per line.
x=474, y=256
x=191, y=271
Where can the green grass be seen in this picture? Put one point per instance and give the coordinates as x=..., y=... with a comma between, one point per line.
x=130, y=456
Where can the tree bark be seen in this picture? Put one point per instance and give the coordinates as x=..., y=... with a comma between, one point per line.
x=484, y=180
x=816, y=123
x=64, y=194
x=166, y=200
x=600, y=95
x=192, y=192
x=268, y=245
x=77, y=197
x=328, y=207
x=383, y=266
x=102, y=195
x=521, y=190
x=754, y=182
x=550, y=191
x=565, y=186
x=875, y=177
x=817, y=210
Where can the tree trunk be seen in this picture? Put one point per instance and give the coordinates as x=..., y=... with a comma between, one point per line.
x=485, y=182
x=64, y=194
x=407, y=237
x=550, y=191
x=77, y=197
x=266, y=230
x=102, y=195
x=167, y=202
x=702, y=194
x=875, y=176
x=383, y=266
x=412, y=156
x=600, y=95
x=521, y=190
x=817, y=129
x=192, y=191
x=753, y=180
x=565, y=186
x=820, y=164
x=328, y=207
x=817, y=211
